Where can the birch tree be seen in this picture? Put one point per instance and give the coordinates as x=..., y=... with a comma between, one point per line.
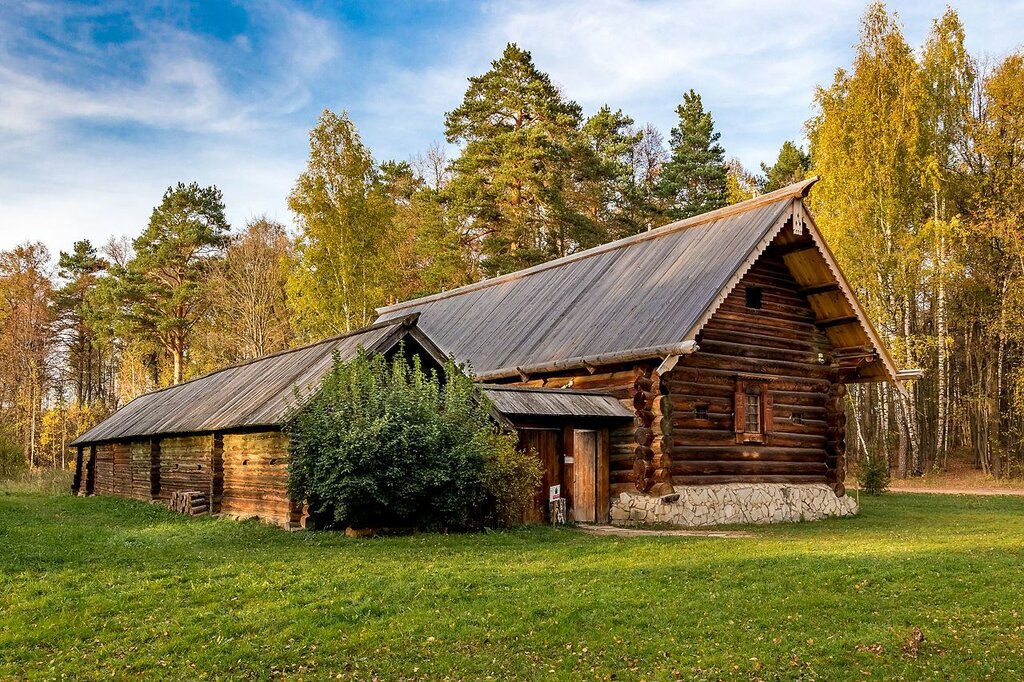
x=343, y=246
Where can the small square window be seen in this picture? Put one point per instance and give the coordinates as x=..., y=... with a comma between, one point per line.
x=754, y=297
x=798, y=417
x=700, y=411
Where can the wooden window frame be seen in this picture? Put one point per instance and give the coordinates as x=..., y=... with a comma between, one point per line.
x=752, y=386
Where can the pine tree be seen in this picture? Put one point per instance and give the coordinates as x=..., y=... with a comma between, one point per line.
x=616, y=189
x=162, y=288
x=790, y=166
x=695, y=178
x=512, y=181
x=80, y=270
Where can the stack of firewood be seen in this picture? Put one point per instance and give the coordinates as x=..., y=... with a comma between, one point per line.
x=190, y=502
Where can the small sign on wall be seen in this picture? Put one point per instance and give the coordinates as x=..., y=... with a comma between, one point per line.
x=554, y=493
x=569, y=459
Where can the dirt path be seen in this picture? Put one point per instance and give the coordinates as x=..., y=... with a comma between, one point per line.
x=616, y=531
x=961, y=491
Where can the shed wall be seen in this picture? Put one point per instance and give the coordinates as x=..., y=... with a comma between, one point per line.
x=621, y=382
x=186, y=463
x=145, y=469
x=256, y=477
x=103, y=469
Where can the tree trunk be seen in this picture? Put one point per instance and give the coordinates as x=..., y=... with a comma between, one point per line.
x=941, y=378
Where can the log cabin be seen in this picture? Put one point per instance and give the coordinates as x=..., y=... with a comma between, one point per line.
x=693, y=374
x=730, y=335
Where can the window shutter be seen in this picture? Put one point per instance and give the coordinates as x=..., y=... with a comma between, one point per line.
x=738, y=409
x=766, y=400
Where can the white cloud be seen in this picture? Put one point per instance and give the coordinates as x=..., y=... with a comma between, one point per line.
x=184, y=83
x=235, y=113
x=191, y=112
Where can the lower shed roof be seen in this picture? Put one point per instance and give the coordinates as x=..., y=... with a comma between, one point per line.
x=524, y=401
x=251, y=394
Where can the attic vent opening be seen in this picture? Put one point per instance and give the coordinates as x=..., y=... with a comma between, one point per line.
x=700, y=411
x=798, y=417
x=754, y=296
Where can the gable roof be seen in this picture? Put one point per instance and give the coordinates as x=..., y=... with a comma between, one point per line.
x=647, y=295
x=255, y=393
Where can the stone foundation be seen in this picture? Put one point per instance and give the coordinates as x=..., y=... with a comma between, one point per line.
x=712, y=505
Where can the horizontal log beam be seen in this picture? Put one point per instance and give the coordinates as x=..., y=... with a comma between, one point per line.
x=820, y=289
x=837, y=321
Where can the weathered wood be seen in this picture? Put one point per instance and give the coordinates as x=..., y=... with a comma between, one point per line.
x=256, y=478
x=781, y=343
x=186, y=464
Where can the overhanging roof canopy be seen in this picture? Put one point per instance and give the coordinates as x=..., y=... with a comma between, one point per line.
x=524, y=401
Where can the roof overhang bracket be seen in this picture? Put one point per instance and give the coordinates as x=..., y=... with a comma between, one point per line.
x=799, y=223
x=668, y=364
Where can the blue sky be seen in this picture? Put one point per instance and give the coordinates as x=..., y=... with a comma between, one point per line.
x=104, y=104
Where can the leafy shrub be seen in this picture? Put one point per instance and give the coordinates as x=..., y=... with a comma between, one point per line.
x=12, y=457
x=385, y=444
x=510, y=479
x=874, y=475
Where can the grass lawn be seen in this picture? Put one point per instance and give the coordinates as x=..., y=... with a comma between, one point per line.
x=106, y=587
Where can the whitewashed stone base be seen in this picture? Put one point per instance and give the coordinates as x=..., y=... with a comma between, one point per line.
x=712, y=505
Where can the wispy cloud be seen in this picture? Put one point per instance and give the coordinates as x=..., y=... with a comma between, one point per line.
x=157, y=74
x=104, y=104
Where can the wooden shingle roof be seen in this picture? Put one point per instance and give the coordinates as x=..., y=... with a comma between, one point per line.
x=251, y=394
x=644, y=296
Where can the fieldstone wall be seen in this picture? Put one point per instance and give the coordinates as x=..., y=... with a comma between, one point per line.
x=711, y=505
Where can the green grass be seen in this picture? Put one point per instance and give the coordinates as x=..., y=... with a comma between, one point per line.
x=103, y=587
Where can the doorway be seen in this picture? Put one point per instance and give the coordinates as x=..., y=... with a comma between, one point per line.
x=584, y=479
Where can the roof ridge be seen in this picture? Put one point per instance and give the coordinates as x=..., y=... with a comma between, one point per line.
x=797, y=189
x=407, y=320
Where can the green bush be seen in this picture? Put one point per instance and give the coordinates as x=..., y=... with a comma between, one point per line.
x=386, y=444
x=874, y=475
x=12, y=457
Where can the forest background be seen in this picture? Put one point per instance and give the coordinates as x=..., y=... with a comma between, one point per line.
x=921, y=158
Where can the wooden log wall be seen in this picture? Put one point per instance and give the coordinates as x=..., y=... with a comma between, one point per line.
x=145, y=469
x=122, y=473
x=255, y=480
x=186, y=463
x=779, y=342
x=90, y=470
x=103, y=469
x=77, y=481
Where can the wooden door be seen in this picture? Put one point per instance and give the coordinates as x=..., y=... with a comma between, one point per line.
x=547, y=444
x=584, y=484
